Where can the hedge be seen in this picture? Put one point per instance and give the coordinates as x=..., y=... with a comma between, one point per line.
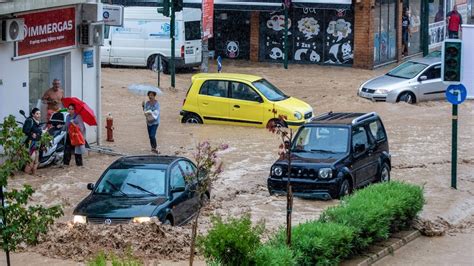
x=371, y=214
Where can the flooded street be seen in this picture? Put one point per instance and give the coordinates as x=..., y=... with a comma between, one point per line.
x=419, y=138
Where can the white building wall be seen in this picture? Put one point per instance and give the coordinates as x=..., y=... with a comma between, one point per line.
x=13, y=83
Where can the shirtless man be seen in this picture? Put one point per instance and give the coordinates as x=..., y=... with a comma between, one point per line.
x=52, y=97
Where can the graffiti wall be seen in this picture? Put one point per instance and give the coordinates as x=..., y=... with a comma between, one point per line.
x=317, y=36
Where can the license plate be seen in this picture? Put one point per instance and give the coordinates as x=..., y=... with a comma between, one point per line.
x=189, y=51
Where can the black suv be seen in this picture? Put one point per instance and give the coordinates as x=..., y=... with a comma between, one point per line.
x=334, y=154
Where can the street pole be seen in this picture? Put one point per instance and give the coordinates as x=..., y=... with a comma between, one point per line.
x=454, y=147
x=205, y=56
x=424, y=25
x=285, y=60
x=172, y=36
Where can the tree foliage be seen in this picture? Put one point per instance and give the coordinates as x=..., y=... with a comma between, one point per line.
x=21, y=222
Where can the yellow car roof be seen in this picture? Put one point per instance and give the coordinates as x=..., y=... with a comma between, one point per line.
x=226, y=76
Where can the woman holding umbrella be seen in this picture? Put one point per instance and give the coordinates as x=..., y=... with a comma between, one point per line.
x=79, y=113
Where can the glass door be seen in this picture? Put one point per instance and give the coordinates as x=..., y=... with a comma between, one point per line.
x=42, y=72
x=385, y=39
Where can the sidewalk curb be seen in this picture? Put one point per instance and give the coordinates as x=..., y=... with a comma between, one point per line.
x=372, y=258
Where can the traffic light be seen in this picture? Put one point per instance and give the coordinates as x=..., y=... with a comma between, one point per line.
x=178, y=5
x=165, y=9
x=451, y=65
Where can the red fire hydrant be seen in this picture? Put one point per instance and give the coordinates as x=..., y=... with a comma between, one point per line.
x=110, y=127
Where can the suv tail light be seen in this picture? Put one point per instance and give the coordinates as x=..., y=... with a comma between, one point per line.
x=182, y=51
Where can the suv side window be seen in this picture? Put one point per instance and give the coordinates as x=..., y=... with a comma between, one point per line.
x=217, y=88
x=242, y=91
x=177, y=178
x=377, y=130
x=359, y=136
x=433, y=72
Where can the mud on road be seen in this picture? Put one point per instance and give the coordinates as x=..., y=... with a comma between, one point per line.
x=419, y=137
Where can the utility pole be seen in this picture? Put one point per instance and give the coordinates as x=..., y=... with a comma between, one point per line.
x=286, y=6
x=172, y=36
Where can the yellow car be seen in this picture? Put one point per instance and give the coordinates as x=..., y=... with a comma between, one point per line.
x=238, y=99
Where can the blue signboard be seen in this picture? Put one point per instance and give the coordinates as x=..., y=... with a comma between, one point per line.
x=88, y=58
x=456, y=94
x=219, y=64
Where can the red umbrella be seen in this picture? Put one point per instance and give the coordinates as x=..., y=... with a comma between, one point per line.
x=82, y=109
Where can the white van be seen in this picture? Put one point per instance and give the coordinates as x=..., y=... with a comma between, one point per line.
x=146, y=33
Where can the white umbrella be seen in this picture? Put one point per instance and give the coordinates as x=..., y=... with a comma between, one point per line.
x=143, y=89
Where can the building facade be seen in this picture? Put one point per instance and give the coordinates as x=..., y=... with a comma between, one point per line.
x=50, y=50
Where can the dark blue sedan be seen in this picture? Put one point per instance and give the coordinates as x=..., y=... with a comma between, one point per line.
x=140, y=189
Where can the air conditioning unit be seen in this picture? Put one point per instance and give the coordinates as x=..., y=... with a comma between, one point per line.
x=12, y=30
x=91, y=34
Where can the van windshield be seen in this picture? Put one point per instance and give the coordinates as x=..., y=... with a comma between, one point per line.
x=192, y=30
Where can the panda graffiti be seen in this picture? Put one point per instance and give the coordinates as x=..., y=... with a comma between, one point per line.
x=232, y=49
x=276, y=53
x=340, y=53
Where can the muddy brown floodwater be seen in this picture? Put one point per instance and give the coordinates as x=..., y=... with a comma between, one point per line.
x=419, y=137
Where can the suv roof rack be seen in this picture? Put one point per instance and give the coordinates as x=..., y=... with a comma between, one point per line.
x=363, y=117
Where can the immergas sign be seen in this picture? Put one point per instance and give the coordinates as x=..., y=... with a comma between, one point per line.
x=48, y=30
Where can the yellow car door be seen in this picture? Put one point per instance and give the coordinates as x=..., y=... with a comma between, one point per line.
x=213, y=101
x=246, y=106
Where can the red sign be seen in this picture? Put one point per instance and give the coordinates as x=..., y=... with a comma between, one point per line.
x=207, y=18
x=48, y=30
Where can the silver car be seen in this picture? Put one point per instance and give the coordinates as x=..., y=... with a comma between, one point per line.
x=413, y=81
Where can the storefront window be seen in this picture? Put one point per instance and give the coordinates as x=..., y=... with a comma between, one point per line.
x=232, y=34
x=436, y=22
x=414, y=42
x=385, y=39
x=42, y=72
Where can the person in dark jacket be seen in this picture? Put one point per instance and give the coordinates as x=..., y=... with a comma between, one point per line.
x=33, y=131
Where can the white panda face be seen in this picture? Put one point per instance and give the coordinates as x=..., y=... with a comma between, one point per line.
x=232, y=49
x=276, y=53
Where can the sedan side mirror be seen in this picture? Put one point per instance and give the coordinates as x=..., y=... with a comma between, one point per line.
x=177, y=189
x=90, y=186
x=423, y=78
x=359, y=148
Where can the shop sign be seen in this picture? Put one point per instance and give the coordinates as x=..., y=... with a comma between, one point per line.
x=112, y=15
x=207, y=18
x=48, y=30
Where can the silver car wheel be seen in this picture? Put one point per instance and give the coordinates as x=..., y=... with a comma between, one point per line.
x=192, y=120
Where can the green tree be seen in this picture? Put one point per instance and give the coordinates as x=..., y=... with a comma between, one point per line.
x=209, y=167
x=20, y=222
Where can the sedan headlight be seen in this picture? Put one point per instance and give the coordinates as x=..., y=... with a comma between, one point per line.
x=79, y=219
x=381, y=91
x=277, y=171
x=298, y=115
x=325, y=173
x=141, y=220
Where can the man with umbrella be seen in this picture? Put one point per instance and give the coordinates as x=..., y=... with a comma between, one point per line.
x=79, y=113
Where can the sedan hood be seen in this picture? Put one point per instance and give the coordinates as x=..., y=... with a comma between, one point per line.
x=118, y=207
x=384, y=82
x=292, y=104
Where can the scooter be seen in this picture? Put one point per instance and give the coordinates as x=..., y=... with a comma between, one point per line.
x=55, y=153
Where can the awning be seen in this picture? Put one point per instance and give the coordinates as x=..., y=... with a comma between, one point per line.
x=270, y=5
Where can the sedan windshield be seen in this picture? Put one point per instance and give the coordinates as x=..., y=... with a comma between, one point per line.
x=407, y=70
x=322, y=140
x=270, y=92
x=133, y=182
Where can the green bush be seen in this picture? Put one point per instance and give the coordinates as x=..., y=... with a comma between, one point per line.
x=231, y=243
x=377, y=211
x=271, y=255
x=319, y=243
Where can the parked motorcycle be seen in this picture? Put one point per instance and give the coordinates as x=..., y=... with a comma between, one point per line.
x=55, y=153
